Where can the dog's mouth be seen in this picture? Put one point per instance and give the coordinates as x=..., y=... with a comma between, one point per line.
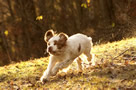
x=52, y=52
x=55, y=53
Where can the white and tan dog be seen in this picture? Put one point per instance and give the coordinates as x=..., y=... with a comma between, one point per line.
x=63, y=50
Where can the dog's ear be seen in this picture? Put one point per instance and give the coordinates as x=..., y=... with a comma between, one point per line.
x=49, y=34
x=63, y=37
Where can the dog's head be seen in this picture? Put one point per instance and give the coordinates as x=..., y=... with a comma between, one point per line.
x=55, y=43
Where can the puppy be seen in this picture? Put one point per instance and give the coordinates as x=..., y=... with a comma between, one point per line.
x=63, y=50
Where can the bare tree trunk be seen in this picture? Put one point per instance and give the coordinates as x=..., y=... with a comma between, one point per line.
x=25, y=10
x=6, y=44
x=103, y=13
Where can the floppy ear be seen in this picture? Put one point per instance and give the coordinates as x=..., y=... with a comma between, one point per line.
x=49, y=34
x=63, y=37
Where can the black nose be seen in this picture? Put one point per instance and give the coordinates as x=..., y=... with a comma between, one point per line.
x=50, y=49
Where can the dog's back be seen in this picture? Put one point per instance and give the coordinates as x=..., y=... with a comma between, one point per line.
x=79, y=43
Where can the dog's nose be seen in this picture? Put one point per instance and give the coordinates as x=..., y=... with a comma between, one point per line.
x=50, y=49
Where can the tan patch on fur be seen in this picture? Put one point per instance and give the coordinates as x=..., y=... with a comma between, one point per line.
x=62, y=42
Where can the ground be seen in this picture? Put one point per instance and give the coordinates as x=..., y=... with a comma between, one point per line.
x=116, y=70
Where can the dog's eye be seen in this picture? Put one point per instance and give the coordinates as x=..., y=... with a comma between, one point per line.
x=55, y=42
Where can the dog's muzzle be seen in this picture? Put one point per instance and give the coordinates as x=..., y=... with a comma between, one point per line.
x=50, y=50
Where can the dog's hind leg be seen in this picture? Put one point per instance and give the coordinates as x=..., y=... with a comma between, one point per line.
x=88, y=54
x=79, y=63
x=90, y=57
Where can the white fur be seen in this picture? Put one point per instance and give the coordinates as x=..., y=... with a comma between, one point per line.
x=75, y=46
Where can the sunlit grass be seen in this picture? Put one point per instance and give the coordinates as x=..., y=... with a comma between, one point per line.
x=113, y=49
x=118, y=75
x=21, y=70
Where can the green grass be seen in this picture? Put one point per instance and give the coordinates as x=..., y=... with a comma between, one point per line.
x=116, y=71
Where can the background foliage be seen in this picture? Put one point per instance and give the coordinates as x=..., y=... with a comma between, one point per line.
x=24, y=22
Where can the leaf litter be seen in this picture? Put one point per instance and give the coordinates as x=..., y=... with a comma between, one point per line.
x=116, y=70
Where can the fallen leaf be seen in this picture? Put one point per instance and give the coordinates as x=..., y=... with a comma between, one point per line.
x=126, y=62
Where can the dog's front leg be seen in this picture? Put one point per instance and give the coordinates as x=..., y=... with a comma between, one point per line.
x=61, y=65
x=47, y=72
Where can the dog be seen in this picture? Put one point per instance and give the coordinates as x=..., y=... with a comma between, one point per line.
x=63, y=50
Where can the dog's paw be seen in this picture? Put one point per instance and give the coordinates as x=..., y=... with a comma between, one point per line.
x=40, y=83
x=43, y=80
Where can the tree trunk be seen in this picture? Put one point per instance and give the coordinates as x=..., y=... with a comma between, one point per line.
x=104, y=14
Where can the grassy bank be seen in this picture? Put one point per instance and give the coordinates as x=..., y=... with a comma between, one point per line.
x=116, y=71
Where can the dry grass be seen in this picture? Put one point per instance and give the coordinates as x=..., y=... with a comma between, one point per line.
x=113, y=73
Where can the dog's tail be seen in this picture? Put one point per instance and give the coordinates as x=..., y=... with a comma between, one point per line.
x=90, y=39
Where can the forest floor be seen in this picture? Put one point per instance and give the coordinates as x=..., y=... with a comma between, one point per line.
x=116, y=71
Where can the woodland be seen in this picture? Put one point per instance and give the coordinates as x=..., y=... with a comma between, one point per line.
x=23, y=23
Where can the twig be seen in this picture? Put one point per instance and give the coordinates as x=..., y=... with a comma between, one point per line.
x=120, y=54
